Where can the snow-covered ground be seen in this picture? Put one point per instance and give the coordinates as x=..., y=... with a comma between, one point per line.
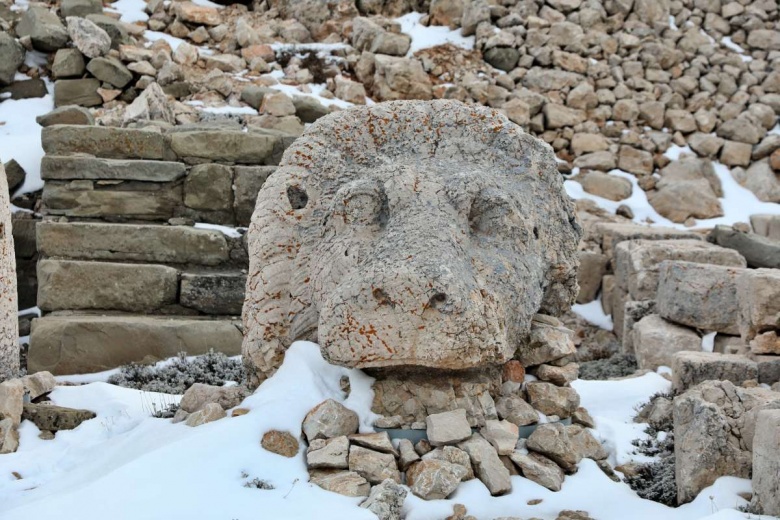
x=126, y=465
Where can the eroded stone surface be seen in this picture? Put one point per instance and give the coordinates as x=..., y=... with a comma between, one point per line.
x=370, y=290
x=9, y=326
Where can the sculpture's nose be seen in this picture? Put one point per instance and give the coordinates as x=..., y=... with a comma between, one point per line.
x=419, y=289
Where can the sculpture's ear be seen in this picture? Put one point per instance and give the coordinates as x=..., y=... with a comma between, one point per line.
x=273, y=242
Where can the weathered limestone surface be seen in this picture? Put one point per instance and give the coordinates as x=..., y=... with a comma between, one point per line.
x=759, y=251
x=101, y=141
x=656, y=341
x=365, y=284
x=9, y=326
x=77, y=285
x=77, y=344
x=758, y=291
x=132, y=242
x=691, y=368
x=714, y=426
x=213, y=293
x=55, y=167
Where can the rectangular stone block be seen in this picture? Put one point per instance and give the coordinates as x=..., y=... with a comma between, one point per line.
x=768, y=369
x=637, y=262
x=613, y=233
x=766, y=464
x=656, y=341
x=84, y=344
x=702, y=296
x=103, y=141
x=131, y=200
x=247, y=182
x=221, y=145
x=213, y=293
x=209, y=187
x=632, y=313
x=759, y=251
x=132, y=242
x=82, y=92
x=691, y=368
x=59, y=167
x=758, y=291
x=76, y=285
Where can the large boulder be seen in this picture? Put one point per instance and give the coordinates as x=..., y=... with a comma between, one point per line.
x=365, y=284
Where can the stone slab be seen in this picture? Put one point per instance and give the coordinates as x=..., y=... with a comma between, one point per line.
x=759, y=251
x=247, y=181
x=131, y=200
x=85, y=344
x=102, y=141
x=55, y=167
x=77, y=285
x=214, y=145
x=132, y=242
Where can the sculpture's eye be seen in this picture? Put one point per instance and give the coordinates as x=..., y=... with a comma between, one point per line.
x=360, y=203
x=297, y=196
x=493, y=213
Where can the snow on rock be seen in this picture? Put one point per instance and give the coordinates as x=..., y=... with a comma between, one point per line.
x=425, y=37
x=130, y=10
x=593, y=313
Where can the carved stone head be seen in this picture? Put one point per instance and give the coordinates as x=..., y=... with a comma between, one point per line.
x=408, y=233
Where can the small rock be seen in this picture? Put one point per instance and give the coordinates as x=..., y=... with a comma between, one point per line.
x=453, y=455
x=347, y=483
x=199, y=395
x=407, y=454
x=553, y=400
x=447, y=427
x=386, y=500
x=90, y=39
x=38, y=384
x=55, y=418
x=516, y=410
x=502, y=435
x=209, y=413
x=432, y=479
x=374, y=441
x=539, y=469
x=328, y=453
x=66, y=115
x=9, y=436
x=12, y=400
x=372, y=465
x=281, y=443
x=329, y=419
x=487, y=466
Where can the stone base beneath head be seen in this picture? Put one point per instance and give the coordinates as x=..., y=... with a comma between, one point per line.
x=77, y=344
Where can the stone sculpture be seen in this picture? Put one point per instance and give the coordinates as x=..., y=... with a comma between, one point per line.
x=408, y=233
x=9, y=327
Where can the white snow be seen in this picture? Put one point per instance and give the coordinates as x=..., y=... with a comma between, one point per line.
x=593, y=313
x=130, y=466
x=20, y=136
x=425, y=37
x=300, y=48
x=708, y=342
x=227, y=109
x=226, y=230
x=316, y=92
x=727, y=42
x=131, y=10
x=738, y=203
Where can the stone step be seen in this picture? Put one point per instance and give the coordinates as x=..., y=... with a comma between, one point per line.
x=213, y=293
x=132, y=242
x=84, y=343
x=57, y=167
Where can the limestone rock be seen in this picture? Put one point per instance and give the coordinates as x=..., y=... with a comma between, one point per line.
x=407, y=454
x=560, y=376
x=368, y=35
x=329, y=419
x=209, y=413
x=55, y=418
x=605, y=185
x=539, y=469
x=9, y=324
x=9, y=436
x=82, y=92
x=691, y=368
x=281, y=443
x=374, y=441
x=502, y=435
x=328, y=453
x=90, y=39
x=367, y=292
x=453, y=455
x=759, y=306
x=757, y=250
x=372, y=465
x=433, y=479
x=347, y=483
x=386, y=500
x=553, y=441
x=447, y=427
x=38, y=384
x=44, y=28
x=487, y=466
x=548, y=342
x=66, y=115
x=400, y=78
x=681, y=200
x=151, y=105
x=12, y=400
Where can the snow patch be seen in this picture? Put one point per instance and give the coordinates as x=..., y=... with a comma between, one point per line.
x=426, y=37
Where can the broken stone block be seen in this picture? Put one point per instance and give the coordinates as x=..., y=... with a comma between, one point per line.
x=372, y=465
x=12, y=400
x=328, y=453
x=699, y=295
x=447, y=427
x=766, y=464
x=281, y=443
x=548, y=342
x=38, y=384
x=656, y=341
x=374, y=441
x=453, y=455
x=552, y=440
x=329, y=419
x=758, y=251
x=9, y=436
x=539, y=469
x=592, y=268
x=487, y=466
x=434, y=479
x=516, y=410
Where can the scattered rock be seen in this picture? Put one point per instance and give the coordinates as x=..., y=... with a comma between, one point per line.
x=329, y=419
x=281, y=443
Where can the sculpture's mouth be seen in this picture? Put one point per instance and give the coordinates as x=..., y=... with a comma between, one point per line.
x=446, y=332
